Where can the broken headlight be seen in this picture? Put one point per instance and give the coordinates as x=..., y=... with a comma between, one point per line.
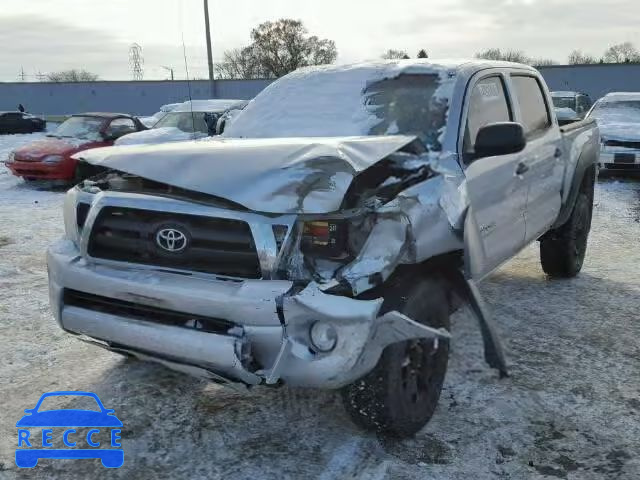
x=325, y=238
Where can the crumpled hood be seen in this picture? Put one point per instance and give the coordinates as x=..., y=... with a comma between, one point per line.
x=279, y=175
x=49, y=146
x=158, y=135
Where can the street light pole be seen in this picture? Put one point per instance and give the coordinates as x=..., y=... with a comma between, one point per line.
x=209, y=53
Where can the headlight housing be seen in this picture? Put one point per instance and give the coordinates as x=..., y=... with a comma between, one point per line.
x=325, y=238
x=52, y=159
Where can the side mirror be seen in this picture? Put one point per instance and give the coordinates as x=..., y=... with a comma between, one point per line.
x=500, y=138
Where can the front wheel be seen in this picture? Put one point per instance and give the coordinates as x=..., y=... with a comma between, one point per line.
x=399, y=396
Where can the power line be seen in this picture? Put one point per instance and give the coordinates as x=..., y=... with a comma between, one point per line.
x=136, y=61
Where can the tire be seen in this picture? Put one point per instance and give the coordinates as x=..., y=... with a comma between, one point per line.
x=562, y=251
x=399, y=396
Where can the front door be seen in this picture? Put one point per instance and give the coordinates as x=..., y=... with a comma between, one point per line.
x=494, y=226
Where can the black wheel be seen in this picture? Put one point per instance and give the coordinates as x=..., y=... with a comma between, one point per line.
x=399, y=396
x=562, y=251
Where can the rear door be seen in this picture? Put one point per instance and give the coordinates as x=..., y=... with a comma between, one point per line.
x=543, y=164
x=494, y=226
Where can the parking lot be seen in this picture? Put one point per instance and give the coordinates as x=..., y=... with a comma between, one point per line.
x=570, y=409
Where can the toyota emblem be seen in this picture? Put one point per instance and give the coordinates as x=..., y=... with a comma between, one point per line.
x=171, y=240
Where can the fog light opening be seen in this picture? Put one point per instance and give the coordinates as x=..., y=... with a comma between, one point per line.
x=323, y=336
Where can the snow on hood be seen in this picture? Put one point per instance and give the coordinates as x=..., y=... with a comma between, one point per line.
x=283, y=175
x=329, y=100
x=622, y=131
x=618, y=124
x=618, y=116
x=158, y=135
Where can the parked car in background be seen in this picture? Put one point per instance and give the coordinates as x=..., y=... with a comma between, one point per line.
x=618, y=115
x=333, y=261
x=50, y=158
x=189, y=121
x=20, y=122
x=151, y=120
x=571, y=106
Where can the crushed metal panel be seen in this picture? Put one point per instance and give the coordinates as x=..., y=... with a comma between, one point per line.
x=282, y=175
x=410, y=229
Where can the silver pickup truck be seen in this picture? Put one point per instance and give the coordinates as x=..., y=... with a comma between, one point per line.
x=325, y=239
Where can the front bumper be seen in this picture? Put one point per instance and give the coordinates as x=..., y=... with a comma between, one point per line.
x=619, y=160
x=270, y=337
x=42, y=171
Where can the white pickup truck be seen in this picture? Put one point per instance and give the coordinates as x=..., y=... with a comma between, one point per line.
x=327, y=236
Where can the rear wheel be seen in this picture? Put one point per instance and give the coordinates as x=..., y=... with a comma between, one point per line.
x=399, y=396
x=562, y=251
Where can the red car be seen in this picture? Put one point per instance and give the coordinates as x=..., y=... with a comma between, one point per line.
x=50, y=158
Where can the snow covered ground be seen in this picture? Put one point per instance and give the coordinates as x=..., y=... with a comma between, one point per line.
x=571, y=408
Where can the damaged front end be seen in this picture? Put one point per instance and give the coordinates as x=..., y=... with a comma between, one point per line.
x=281, y=286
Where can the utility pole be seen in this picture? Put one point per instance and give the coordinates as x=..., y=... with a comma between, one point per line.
x=22, y=75
x=209, y=54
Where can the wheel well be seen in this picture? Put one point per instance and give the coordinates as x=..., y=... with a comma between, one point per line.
x=446, y=267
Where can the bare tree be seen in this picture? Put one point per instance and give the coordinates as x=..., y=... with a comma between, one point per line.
x=393, y=54
x=542, y=62
x=276, y=49
x=241, y=63
x=73, y=75
x=621, y=53
x=517, y=56
x=423, y=53
x=282, y=47
x=578, y=58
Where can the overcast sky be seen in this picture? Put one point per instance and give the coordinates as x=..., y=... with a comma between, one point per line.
x=48, y=35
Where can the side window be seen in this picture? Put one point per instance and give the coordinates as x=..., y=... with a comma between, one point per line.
x=584, y=104
x=487, y=104
x=120, y=127
x=533, y=107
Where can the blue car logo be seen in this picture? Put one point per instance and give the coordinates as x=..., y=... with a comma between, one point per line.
x=28, y=452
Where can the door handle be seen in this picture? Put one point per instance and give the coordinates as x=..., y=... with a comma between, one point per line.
x=557, y=153
x=522, y=168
